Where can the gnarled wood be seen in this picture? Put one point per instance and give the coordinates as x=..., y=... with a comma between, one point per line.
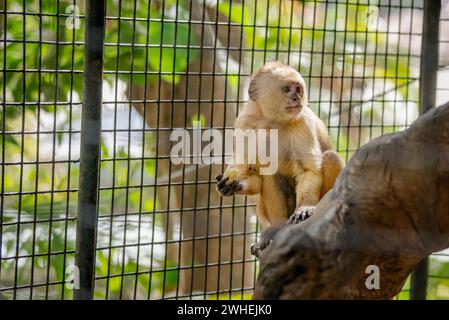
x=389, y=207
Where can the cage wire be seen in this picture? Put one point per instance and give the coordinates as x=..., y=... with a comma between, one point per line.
x=163, y=231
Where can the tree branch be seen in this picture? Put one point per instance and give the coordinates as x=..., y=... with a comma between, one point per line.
x=389, y=208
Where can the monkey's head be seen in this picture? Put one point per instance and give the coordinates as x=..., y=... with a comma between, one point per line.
x=279, y=90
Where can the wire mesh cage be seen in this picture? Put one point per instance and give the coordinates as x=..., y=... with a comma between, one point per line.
x=160, y=228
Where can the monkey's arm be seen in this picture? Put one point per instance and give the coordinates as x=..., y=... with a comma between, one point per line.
x=308, y=191
x=239, y=179
x=308, y=188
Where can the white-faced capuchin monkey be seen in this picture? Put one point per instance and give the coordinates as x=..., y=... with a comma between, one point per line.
x=307, y=165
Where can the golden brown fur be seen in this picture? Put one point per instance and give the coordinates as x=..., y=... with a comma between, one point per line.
x=307, y=165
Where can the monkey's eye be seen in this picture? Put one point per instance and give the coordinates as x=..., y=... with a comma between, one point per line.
x=286, y=88
x=298, y=89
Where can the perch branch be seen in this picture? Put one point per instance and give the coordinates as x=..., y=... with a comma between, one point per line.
x=389, y=208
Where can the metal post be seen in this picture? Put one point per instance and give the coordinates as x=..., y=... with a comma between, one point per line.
x=86, y=228
x=429, y=55
x=427, y=94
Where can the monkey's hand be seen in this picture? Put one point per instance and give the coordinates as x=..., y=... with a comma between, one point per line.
x=227, y=186
x=301, y=214
x=265, y=239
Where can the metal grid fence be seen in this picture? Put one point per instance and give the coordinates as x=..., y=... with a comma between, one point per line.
x=149, y=228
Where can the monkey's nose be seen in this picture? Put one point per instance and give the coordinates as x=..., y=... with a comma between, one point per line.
x=295, y=99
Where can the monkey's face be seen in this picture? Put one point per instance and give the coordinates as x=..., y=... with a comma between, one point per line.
x=279, y=90
x=293, y=91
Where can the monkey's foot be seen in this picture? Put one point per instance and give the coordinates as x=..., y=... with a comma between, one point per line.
x=226, y=187
x=266, y=238
x=301, y=214
x=255, y=249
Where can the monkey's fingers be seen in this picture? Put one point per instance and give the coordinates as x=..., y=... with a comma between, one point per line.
x=307, y=213
x=295, y=218
x=236, y=186
x=226, y=189
x=301, y=214
x=266, y=238
x=222, y=183
x=255, y=250
x=219, y=177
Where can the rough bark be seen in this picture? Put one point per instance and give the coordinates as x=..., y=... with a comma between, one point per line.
x=389, y=208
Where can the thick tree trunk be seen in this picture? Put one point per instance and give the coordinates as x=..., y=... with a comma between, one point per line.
x=389, y=208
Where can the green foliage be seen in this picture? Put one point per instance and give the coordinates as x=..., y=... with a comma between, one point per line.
x=148, y=46
x=52, y=83
x=438, y=282
x=142, y=46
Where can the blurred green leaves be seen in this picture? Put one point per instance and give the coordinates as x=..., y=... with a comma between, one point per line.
x=153, y=44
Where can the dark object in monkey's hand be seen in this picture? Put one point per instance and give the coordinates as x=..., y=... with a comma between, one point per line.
x=227, y=189
x=267, y=236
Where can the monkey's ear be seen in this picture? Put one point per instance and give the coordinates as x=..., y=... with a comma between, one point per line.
x=252, y=91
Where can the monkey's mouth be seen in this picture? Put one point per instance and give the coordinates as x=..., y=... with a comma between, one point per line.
x=294, y=108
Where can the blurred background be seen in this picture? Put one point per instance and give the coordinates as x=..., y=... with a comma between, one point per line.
x=163, y=232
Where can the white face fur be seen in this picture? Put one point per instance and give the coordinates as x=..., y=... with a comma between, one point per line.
x=280, y=93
